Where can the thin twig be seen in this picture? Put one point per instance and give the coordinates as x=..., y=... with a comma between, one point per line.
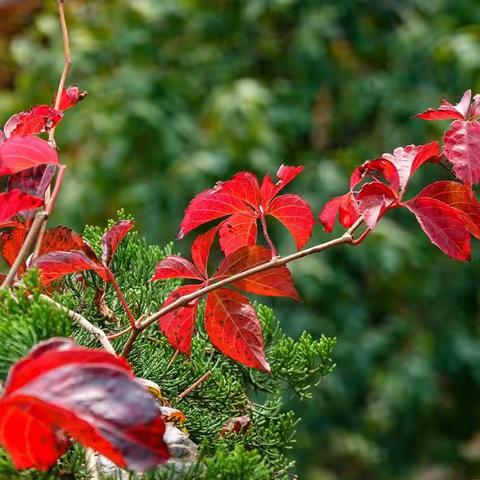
x=66, y=66
x=172, y=360
x=124, y=303
x=91, y=464
x=131, y=340
x=98, y=333
x=194, y=385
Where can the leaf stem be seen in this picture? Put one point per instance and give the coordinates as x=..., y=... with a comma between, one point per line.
x=267, y=236
x=196, y=384
x=124, y=303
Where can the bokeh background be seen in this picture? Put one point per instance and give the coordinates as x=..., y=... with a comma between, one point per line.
x=183, y=93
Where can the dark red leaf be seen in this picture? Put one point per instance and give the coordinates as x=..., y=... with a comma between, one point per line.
x=201, y=247
x=37, y=120
x=175, y=267
x=14, y=202
x=55, y=265
x=178, y=326
x=274, y=282
x=444, y=226
x=64, y=239
x=458, y=196
x=238, y=230
x=447, y=111
x=20, y=153
x=233, y=327
x=61, y=390
x=11, y=242
x=295, y=214
x=373, y=200
x=33, y=181
x=462, y=149
x=70, y=97
x=112, y=238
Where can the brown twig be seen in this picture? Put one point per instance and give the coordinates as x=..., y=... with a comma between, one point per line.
x=172, y=360
x=124, y=303
x=130, y=341
x=98, y=333
x=194, y=385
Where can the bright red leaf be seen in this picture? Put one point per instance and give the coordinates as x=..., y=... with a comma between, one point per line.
x=459, y=196
x=244, y=201
x=462, y=149
x=55, y=265
x=176, y=267
x=112, y=238
x=447, y=111
x=178, y=326
x=70, y=97
x=39, y=119
x=201, y=247
x=233, y=327
x=345, y=206
x=380, y=166
x=61, y=390
x=14, y=202
x=444, y=226
x=274, y=282
x=20, y=153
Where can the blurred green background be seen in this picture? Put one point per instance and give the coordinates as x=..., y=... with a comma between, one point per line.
x=184, y=93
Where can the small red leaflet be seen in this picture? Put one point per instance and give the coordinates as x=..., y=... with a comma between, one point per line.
x=244, y=201
x=61, y=390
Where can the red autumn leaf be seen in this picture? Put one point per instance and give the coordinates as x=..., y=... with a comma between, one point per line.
x=62, y=390
x=381, y=166
x=447, y=111
x=39, y=119
x=175, y=267
x=274, y=282
x=11, y=242
x=70, y=97
x=178, y=326
x=20, y=153
x=233, y=327
x=245, y=202
x=458, y=196
x=462, y=149
x=201, y=247
x=14, y=202
x=345, y=206
x=55, y=265
x=33, y=181
x=112, y=238
x=373, y=201
x=408, y=159
x=444, y=226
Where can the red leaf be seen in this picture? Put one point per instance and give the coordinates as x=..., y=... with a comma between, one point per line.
x=60, y=390
x=462, y=149
x=112, y=238
x=269, y=189
x=345, y=206
x=175, y=267
x=37, y=120
x=11, y=243
x=55, y=265
x=443, y=225
x=237, y=231
x=382, y=166
x=33, y=181
x=14, y=202
x=458, y=196
x=233, y=328
x=244, y=186
x=408, y=159
x=70, y=97
x=201, y=247
x=274, y=282
x=447, y=111
x=178, y=326
x=206, y=206
x=373, y=201
x=295, y=214
x=64, y=239
x=20, y=153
